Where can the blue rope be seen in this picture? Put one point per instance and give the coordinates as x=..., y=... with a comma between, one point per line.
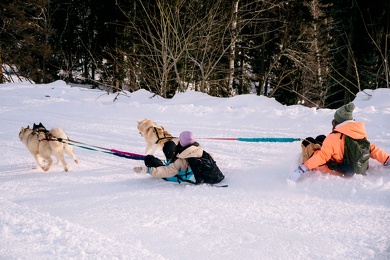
x=268, y=139
x=118, y=153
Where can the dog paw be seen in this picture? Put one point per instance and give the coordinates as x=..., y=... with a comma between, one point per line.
x=45, y=168
x=76, y=161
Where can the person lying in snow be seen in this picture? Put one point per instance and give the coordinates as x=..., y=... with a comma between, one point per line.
x=190, y=163
x=343, y=152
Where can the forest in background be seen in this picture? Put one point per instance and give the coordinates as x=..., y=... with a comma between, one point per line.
x=318, y=53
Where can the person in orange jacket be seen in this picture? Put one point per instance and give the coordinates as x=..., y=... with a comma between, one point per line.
x=332, y=147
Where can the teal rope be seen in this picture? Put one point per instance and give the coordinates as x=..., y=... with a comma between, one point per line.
x=112, y=152
x=88, y=148
x=269, y=139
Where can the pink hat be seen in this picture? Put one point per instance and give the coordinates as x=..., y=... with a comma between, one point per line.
x=186, y=138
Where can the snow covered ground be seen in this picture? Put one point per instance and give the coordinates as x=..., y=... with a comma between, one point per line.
x=100, y=209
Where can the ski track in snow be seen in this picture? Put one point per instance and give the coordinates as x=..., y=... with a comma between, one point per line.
x=100, y=209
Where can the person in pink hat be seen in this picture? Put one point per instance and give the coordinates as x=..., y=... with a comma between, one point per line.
x=185, y=165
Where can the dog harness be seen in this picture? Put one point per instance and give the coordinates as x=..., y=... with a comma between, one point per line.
x=161, y=138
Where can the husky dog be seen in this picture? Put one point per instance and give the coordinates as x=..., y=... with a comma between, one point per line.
x=39, y=128
x=43, y=144
x=155, y=136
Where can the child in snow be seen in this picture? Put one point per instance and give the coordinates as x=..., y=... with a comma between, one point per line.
x=323, y=153
x=184, y=166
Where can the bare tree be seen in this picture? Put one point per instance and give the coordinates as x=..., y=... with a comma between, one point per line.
x=155, y=53
x=182, y=44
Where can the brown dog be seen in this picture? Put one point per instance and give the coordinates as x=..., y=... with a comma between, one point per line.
x=155, y=136
x=43, y=144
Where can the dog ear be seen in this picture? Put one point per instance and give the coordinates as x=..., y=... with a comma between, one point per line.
x=28, y=127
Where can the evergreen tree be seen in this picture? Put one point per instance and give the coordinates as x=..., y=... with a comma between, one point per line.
x=24, y=39
x=357, y=48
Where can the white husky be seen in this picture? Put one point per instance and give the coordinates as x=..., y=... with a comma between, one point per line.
x=155, y=136
x=44, y=144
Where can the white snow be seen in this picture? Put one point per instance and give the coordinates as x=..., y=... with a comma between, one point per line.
x=101, y=209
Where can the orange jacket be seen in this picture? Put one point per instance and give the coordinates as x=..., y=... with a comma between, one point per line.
x=333, y=146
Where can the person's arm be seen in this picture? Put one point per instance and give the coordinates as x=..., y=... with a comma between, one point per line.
x=332, y=147
x=170, y=170
x=379, y=155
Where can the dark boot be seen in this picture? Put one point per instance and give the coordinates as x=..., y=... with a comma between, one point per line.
x=151, y=161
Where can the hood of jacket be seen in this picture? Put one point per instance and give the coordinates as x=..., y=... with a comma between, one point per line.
x=356, y=130
x=191, y=151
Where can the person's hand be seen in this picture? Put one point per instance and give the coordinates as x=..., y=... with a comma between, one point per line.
x=296, y=174
x=141, y=169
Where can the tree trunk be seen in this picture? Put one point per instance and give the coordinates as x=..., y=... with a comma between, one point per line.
x=233, y=46
x=1, y=70
x=350, y=59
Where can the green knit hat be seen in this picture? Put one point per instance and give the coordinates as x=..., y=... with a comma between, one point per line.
x=344, y=113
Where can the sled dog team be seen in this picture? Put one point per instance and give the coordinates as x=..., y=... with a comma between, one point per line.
x=185, y=160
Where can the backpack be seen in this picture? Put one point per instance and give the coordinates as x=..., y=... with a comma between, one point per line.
x=356, y=157
x=205, y=169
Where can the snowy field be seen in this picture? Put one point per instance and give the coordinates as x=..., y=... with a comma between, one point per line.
x=101, y=209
